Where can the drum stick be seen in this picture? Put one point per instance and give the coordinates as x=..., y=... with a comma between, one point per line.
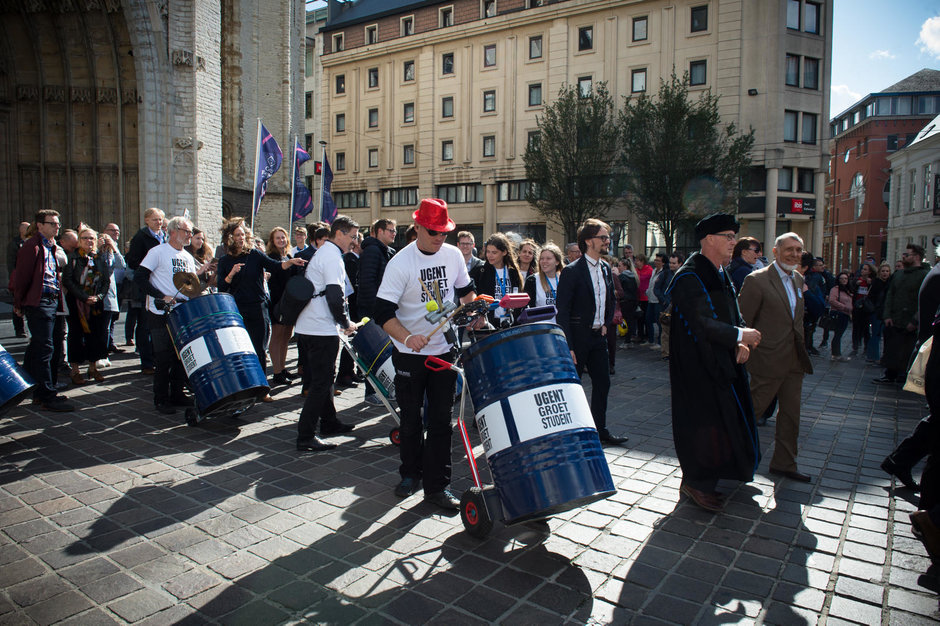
x=445, y=321
x=425, y=287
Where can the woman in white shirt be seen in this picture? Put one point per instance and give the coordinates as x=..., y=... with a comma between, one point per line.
x=542, y=286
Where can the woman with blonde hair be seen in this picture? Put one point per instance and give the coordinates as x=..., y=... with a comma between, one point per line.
x=278, y=248
x=543, y=285
x=87, y=278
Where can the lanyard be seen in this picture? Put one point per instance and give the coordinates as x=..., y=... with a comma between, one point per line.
x=503, y=282
x=552, y=287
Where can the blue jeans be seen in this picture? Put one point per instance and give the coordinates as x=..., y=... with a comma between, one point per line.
x=38, y=358
x=874, y=343
x=653, y=309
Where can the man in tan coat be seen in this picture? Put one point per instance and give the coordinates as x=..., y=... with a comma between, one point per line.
x=771, y=300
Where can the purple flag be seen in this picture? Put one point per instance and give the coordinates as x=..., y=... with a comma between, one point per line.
x=327, y=206
x=268, y=162
x=303, y=202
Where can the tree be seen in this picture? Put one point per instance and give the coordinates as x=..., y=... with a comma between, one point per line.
x=571, y=163
x=680, y=162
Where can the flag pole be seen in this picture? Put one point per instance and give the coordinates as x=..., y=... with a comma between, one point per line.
x=322, y=165
x=254, y=182
x=293, y=189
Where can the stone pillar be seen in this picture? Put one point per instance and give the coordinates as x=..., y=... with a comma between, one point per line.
x=770, y=208
x=819, y=222
x=489, y=208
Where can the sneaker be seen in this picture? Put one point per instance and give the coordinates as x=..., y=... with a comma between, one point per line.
x=885, y=380
x=444, y=499
x=373, y=398
x=103, y=363
x=656, y=346
x=845, y=359
x=408, y=487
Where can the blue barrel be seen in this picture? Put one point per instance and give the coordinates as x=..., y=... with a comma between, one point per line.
x=217, y=354
x=374, y=348
x=538, y=433
x=14, y=382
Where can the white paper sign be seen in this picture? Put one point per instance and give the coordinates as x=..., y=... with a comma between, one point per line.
x=194, y=355
x=233, y=340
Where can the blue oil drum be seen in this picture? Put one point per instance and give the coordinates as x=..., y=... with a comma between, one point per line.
x=216, y=351
x=538, y=433
x=374, y=348
x=14, y=382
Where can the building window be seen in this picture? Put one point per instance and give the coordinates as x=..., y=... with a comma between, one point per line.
x=892, y=143
x=489, y=8
x=308, y=105
x=402, y=196
x=447, y=63
x=489, y=146
x=351, y=199
x=810, y=73
x=531, y=4
x=409, y=115
x=340, y=83
x=408, y=154
x=785, y=179
x=790, y=119
x=447, y=150
x=372, y=34
x=512, y=190
x=340, y=161
x=805, y=181
x=338, y=42
x=809, y=128
x=373, y=77
x=489, y=101
x=407, y=26
x=927, y=105
x=489, y=55
x=408, y=71
x=793, y=14
x=446, y=17
x=447, y=106
x=927, y=178
x=535, y=47
x=811, y=19
x=638, y=81
x=308, y=143
x=584, y=86
x=373, y=118
x=699, y=19
x=458, y=194
x=535, y=95
x=340, y=122
x=697, y=72
x=532, y=139
x=585, y=38
x=640, y=25
x=373, y=157
x=793, y=70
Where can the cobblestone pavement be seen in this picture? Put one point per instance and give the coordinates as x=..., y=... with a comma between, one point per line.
x=115, y=513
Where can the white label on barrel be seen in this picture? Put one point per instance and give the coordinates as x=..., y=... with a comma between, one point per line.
x=194, y=355
x=234, y=339
x=386, y=376
x=536, y=412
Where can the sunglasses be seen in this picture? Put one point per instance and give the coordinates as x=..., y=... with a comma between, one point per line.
x=435, y=233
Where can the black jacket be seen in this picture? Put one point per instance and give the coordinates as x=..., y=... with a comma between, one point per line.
x=575, y=303
x=373, y=258
x=141, y=244
x=72, y=276
x=484, y=276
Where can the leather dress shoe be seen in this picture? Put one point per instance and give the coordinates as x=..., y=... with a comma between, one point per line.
x=444, y=499
x=337, y=428
x=315, y=445
x=792, y=474
x=903, y=474
x=927, y=532
x=181, y=400
x=57, y=404
x=165, y=408
x=346, y=382
x=148, y=371
x=613, y=440
x=407, y=487
x=885, y=380
x=708, y=501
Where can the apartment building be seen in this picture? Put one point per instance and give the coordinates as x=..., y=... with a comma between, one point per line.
x=441, y=98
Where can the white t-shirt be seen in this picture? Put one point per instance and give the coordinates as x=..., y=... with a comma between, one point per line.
x=325, y=268
x=401, y=284
x=163, y=261
x=543, y=297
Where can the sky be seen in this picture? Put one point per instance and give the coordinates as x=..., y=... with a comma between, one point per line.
x=875, y=44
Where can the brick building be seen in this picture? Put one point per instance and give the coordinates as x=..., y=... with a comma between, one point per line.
x=862, y=188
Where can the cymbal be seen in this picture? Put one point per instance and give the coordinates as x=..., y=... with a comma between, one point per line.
x=187, y=283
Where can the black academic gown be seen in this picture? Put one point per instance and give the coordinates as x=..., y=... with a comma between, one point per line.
x=712, y=417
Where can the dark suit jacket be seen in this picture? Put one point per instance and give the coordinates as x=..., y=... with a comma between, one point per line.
x=575, y=303
x=141, y=244
x=764, y=306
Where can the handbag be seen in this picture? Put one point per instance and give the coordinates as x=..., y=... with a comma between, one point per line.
x=297, y=294
x=915, y=375
x=829, y=321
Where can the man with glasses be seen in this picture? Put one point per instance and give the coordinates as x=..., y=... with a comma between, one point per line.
x=37, y=296
x=585, y=303
x=900, y=314
x=712, y=418
x=154, y=277
x=743, y=258
x=422, y=269
x=467, y=243
x=377, y=251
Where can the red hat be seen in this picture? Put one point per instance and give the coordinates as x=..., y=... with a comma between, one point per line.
x=432, y=214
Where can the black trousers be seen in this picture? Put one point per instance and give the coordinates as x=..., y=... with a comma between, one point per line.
x=319, y=365
x=593, y=357
x=37, y=361
x=169, y=377
x=425, y=456
x=930, y=480
x=258, y=324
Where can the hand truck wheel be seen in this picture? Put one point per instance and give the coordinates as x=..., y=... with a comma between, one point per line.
x=476, y=519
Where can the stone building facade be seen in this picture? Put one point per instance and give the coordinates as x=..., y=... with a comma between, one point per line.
x=440, y=98
x=108, y=107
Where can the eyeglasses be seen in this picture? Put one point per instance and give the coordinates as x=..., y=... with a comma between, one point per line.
x=601, y=237
x=754, y=250
x=56, y=224
x=88, y=238
x=183, y=230
x=435, y=233
x=728, y=236
x=390, y=230
x=465, y=243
